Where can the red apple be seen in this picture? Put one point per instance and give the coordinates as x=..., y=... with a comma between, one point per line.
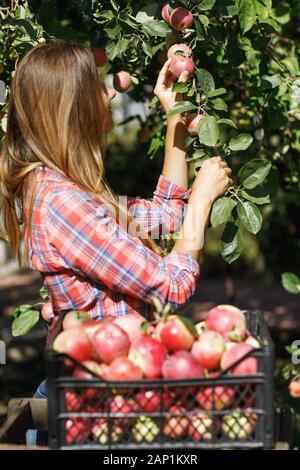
x=122, y=81
x=177, y=423
x=100, y=56
x=122, y=368
x=182, y=48
x=215, y=398
x=209, y=349
x=181, y=64
x=73, y=342
x=239, y=424
x=149, y=400
x=181, y=18
x=182, y=365
x=75, y=319
x=294, y=388
x=47, y=312
x=178, y=333
x=91, y=326
x=227, y=320
x=77, y=430
x=192, y=121
x=166, y=11
x=131, y=324
x=201, y=426
x=109, y=342
x=94, y=367
x=148, y=354
x=73, y=401
x=247, y=366
x=123, y=406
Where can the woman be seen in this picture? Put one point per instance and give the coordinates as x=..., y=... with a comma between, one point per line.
x=60, y=216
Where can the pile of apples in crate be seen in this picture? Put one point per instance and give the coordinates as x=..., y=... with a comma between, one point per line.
x=170, y=347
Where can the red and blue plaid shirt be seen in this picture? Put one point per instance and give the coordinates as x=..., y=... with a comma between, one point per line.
x=107, y=275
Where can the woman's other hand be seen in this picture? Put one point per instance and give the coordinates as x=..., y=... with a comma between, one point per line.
x=213, y=178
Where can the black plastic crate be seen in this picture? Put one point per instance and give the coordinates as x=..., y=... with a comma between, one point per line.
x=228, y=411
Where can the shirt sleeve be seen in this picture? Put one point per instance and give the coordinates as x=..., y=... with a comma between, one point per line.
x=166, y=210
x=90, y=242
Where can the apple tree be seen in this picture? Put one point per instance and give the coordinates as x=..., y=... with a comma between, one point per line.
x=246, y=86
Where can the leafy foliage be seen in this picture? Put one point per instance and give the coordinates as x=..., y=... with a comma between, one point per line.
x=246, y=83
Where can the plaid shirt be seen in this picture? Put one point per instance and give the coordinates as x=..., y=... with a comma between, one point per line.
x=83, y=269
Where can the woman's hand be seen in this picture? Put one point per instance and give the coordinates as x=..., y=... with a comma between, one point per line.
x=163, y=87
x=213, y=178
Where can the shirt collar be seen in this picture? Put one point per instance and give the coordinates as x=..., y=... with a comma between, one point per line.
x=43, y=173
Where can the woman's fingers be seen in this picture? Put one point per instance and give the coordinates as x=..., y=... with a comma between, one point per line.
x=183, y=78
x=216, y=159
x=162, y=76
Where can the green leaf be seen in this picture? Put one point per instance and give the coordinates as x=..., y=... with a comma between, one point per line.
x=181, y=107
x=254, y=172
x=206, y=80
x=250, y=216
x=231, y=10
x=291, y=282
x=43, y=293
x=258, y=195
x=270, y=25
x=180, y=87
x=206, y=4
x=144, y=328
x=21, y=309
x=217, y=92
x=247, y=14
x=292, y=64
x=208, y=131
x=113, y=50
x=227, y=122
x=27, y=26
x=240, y=142
x=269, y=82
x=143, y=17
x=204, y=20
x=108, y=14
x=25, y=322
x=219, y=104
x=155, y=28
x=147, y=49
x=197, y=154
x=262, y=8
x=232, y=242
x=221, y=211
x=189, y=325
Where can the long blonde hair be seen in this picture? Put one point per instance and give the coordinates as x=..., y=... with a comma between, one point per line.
x=56, y=118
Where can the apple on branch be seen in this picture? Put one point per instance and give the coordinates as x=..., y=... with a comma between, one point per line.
x=122, y=81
